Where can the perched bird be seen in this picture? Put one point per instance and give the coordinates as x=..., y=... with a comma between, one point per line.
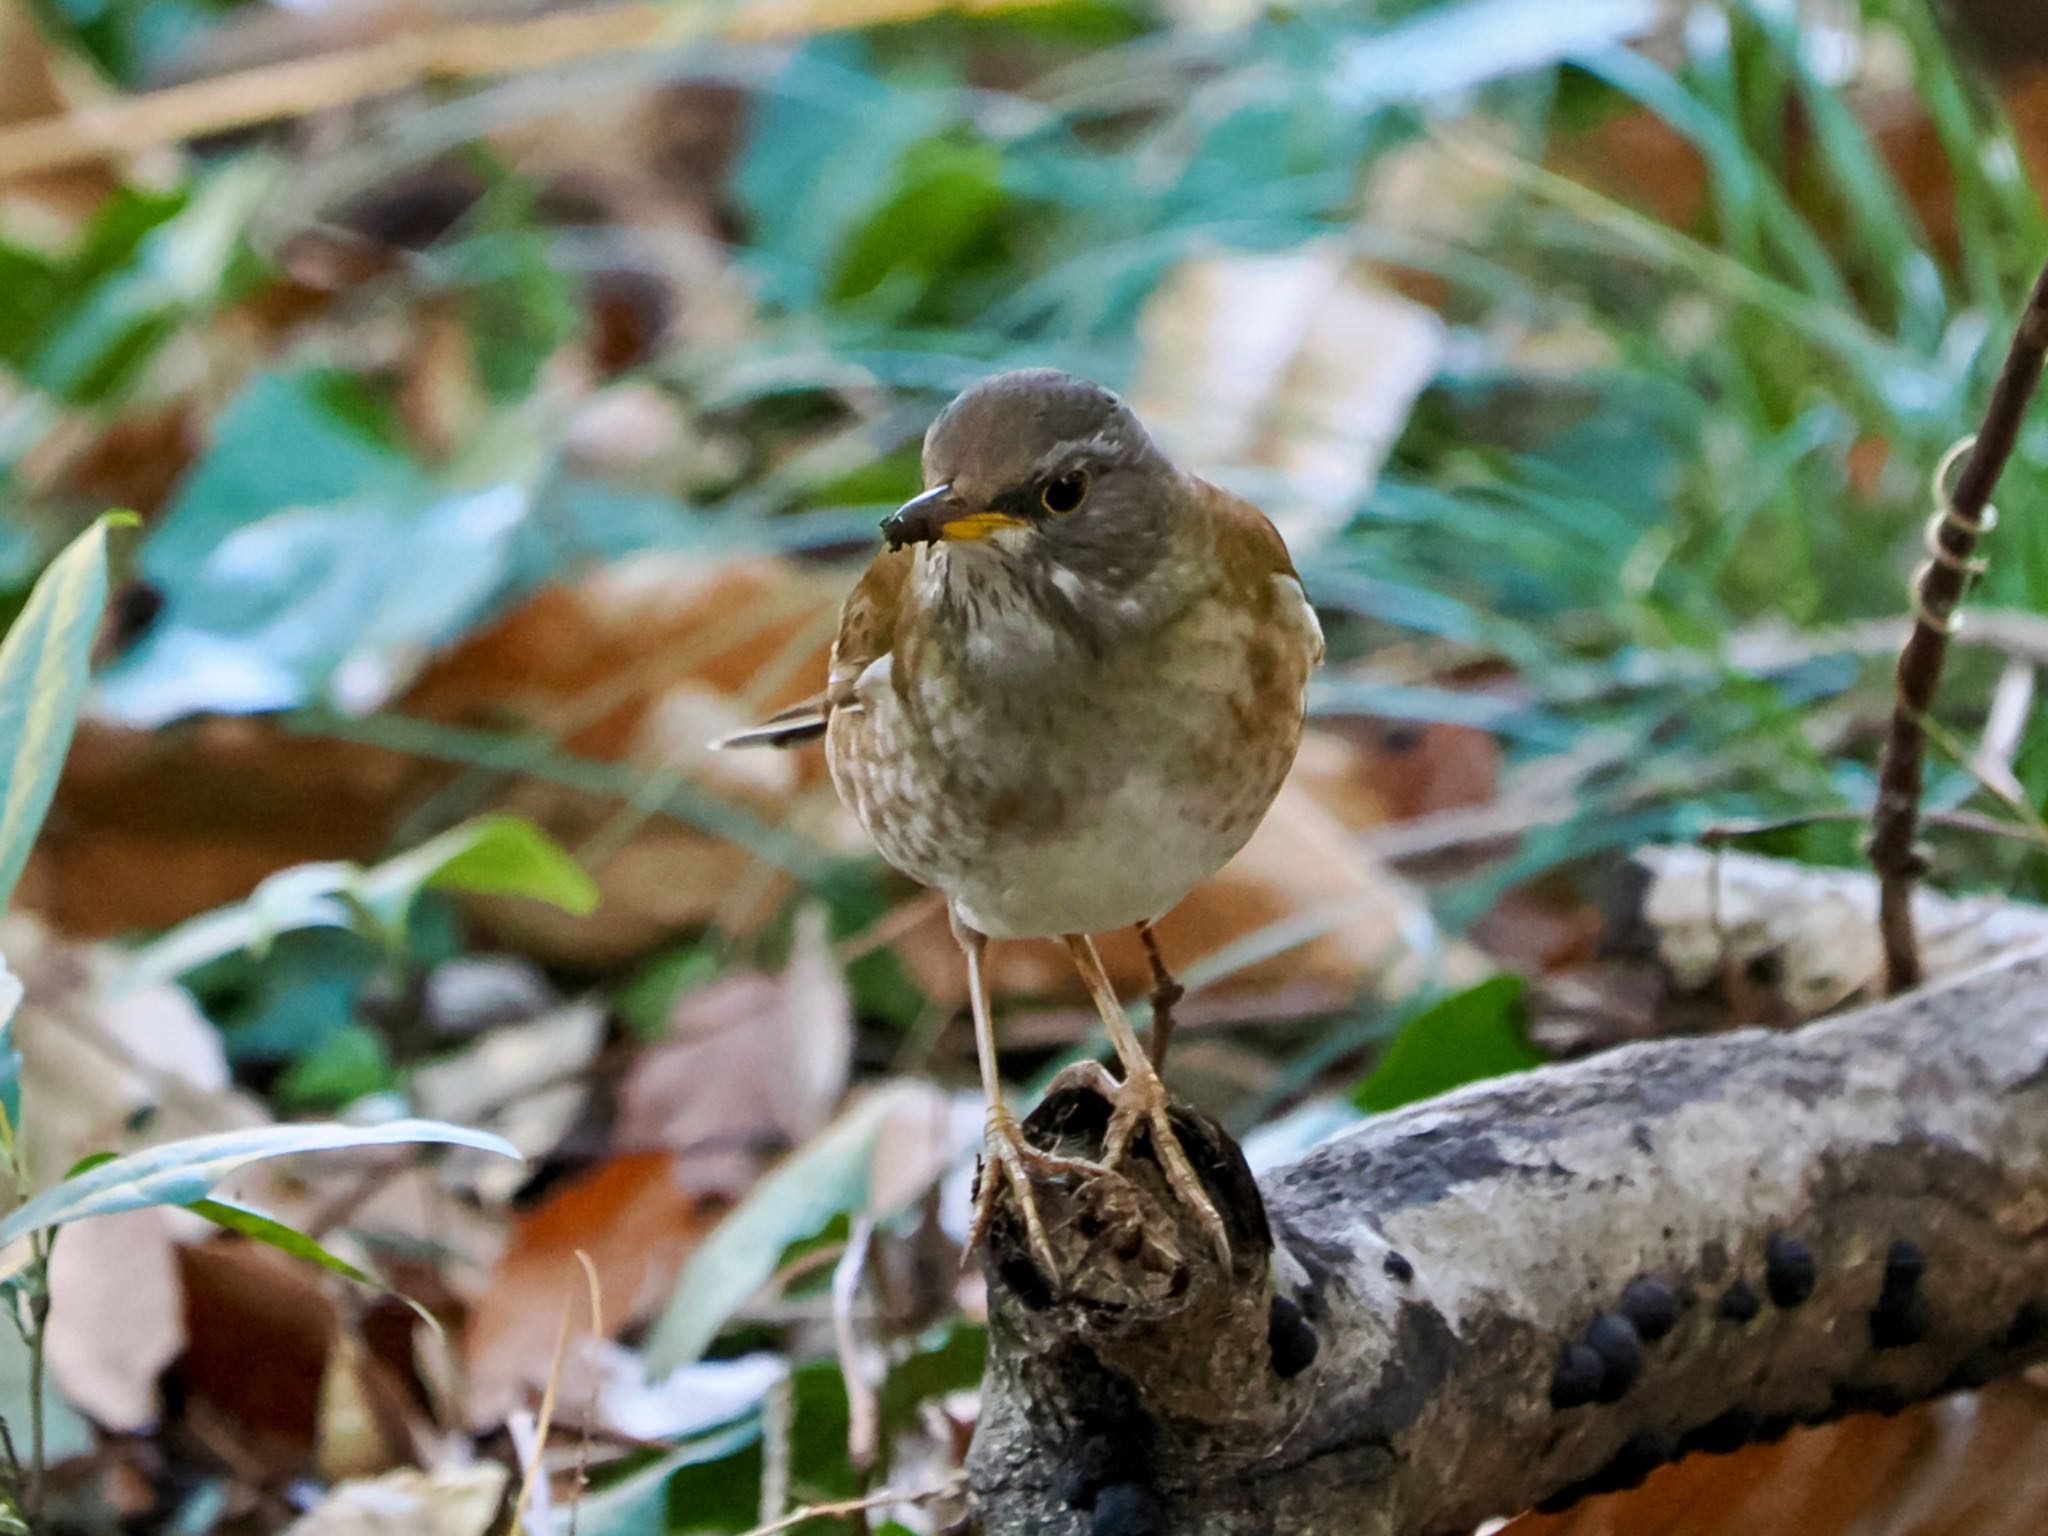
x=1064, y=696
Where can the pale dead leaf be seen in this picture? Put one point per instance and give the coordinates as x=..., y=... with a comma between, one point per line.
x=1296, y=364
x=106, y=1070
x=524, y=1081
x=366, y=1422
x=116, y=1316
x=449, y=1501
x=752, y=1062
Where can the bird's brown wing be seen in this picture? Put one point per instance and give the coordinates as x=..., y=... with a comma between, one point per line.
x=1251, y=555
x=867, y=631
x=867, y=624
x=1248, y=543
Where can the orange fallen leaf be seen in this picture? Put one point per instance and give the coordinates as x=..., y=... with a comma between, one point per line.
x=1971, y=1465
x=635, y=1220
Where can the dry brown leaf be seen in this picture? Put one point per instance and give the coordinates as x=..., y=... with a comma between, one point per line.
x=643, y=663
x=150, y=828
x=448, y=1501
x=635, y=1220
x=647, y=662
x=261, y=1327
x=367, y=1424
x=1972, y=1465
x=36, y=82
x=752, y=1064
x=116, y=1316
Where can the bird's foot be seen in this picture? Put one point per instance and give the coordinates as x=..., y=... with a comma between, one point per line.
x=1007, y=1150
x=1141, y=1100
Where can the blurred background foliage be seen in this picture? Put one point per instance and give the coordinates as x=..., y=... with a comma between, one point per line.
x=505, y=430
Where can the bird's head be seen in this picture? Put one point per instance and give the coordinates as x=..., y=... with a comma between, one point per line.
x=1048, y=469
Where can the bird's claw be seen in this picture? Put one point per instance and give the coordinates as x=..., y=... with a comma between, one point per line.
x=1141, y=1099
x=1018, y=1160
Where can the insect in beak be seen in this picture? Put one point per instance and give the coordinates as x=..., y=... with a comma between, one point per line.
x=939, y=514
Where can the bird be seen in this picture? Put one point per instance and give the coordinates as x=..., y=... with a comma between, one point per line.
x=1064, y=694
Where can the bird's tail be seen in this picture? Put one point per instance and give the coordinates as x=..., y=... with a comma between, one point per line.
x=793, y=727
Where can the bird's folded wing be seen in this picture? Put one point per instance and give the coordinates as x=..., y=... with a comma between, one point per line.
x=1250, y=550
x=867, y=631
x=867, y=624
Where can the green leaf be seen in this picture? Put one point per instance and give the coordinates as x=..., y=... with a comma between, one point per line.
x=496, y=855
x=797, y=1197
x=275, y=1234
x=1466, y=1037
x=639, y=1505
x=493, y=856
x=180, y=1172
x=44, y=663
x=10, y=1056
x=347, y=1064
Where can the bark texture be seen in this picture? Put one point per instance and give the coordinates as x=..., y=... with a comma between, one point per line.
x=1537, y=1288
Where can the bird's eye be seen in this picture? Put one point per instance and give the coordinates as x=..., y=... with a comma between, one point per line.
x=1061, y=496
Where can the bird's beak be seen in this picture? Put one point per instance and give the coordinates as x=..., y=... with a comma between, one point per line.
x=940, y=514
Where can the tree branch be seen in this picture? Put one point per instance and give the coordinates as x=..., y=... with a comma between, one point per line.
x=1937, y=588
x=1535, y=1288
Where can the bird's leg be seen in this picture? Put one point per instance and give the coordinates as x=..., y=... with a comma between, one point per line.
x=1165, y=993
x=1141, y=1099
x=1007, y=1150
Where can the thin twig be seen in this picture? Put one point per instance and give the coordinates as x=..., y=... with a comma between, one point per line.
x=887, y=1496
x=1722, y=833
x=1894, y=841
x=38, y=1336
x=576, y=1491
x=778, y=1422
x=458, y=51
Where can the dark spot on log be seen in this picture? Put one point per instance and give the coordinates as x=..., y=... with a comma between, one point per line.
x=1128, y=1509
x=1397, y=1267
x=1021, y=1277
x=2026, y=1327
x=1641, y=1454
x=1789, y=1273
x=1875, y=1398
x=1576, y=1380
x=1091, y=1463
x=1901, y=1314
x=1724, y=1433
x=1974, y=1370
x=1765, y=970
x=1112, y=1438
x=1289, y=1339
x=1740, y=1303
x=1651, y=1305
x=1420, y=1356
x=1319, y=1260
x=1614, y=1339
x=1713, y=1261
